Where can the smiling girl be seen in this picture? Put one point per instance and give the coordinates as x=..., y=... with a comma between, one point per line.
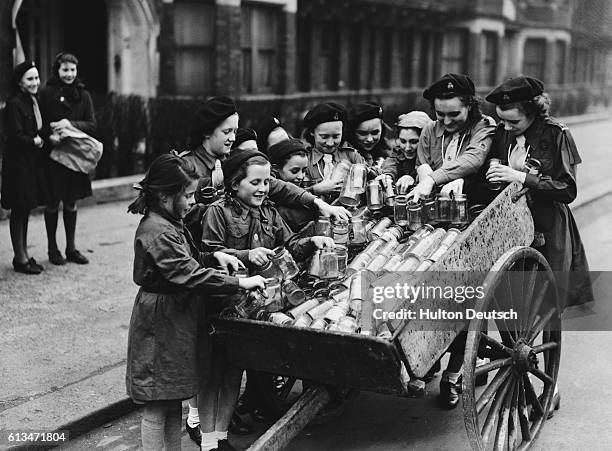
x=245, y=225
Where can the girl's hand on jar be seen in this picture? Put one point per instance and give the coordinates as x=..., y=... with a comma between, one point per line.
x=253, y=282
x=404, y=183
x=259, y=255
x=229, y=262
x=327, y=186
x=322, y=241
x=506, y=174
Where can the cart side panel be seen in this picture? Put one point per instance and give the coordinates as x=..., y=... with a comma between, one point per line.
x=346, y=360
x=501, y=226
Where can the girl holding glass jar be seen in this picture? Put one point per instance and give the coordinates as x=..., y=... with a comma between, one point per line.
x=245, y=225
x=324, y=132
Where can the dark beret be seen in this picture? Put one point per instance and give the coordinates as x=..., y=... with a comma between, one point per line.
x=280, y=150
x=264, y=129
x=324, y=112
x=235, y=159
x=449, y=85
x=365, y=111
x=243, y=135
x=516, y=90
x=21, y=69
x=210, y=114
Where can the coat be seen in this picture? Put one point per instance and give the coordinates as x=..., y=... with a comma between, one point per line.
x=23, y=178
x=168, y=349
x=551, y=143
x=64, y=184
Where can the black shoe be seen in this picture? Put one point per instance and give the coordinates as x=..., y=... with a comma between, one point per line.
x=194, y=433
x=35, y=264
x=56, y=257
x=239, y=427
x=224, y=445
x=75, y=256
x=26, y=268
x=449, y=393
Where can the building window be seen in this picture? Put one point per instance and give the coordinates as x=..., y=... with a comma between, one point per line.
x=489, y=58
x=329, y=56
x=194, y=38
x=259, y=40
x=406, y=54
x=303, y=57
x=559, y=62
x=534, y=58
x=454, y=52
x=354, y=57
x=386, y=50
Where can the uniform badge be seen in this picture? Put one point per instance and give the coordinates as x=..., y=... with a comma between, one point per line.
x=450, y=86
x=336, y=117
x=380, y=111
x=506, y=98
x=276, y=121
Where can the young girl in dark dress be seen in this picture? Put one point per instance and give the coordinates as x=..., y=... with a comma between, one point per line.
x=168, y=354
x=245, y=225
x=65, y=102
x=23, y=181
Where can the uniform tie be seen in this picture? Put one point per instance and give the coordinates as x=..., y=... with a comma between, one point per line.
x=37, y=114
x=329, y=165
x=217, y=175
x=518, y=154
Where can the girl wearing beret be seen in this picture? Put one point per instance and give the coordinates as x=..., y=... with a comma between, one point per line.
x=366, y=133
x=455, y=146
x=65, y=102
x=401, y=166
x=23, y=178
x=289, y=160
x=245, y=225
x=324, y=132
x=526, y=131
x=167, y=348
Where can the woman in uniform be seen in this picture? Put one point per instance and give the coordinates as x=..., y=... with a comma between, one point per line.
x=367, y=132
x=453, y=148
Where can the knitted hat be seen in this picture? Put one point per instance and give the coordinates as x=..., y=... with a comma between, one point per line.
x=243, y=135
x=20, y=69
x=279, y=151
x=413, y=119
x=234, y=160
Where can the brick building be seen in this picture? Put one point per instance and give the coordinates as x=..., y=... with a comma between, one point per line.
x=281, y=56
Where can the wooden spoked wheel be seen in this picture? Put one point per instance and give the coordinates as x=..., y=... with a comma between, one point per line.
x=278, y=393
x=523, y=354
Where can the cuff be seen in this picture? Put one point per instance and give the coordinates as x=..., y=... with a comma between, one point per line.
x=531, y=181
x=440, y=177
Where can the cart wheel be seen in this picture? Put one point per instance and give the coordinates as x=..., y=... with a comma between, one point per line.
x=524, y=354
x=278, y=393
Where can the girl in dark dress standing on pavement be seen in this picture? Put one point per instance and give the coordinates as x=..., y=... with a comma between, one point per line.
x=23, y=185
x=65, y=102
x=168, y=356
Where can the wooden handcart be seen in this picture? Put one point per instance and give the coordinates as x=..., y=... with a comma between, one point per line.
x=522, y=355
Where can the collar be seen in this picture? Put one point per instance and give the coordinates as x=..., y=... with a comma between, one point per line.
x=158, y=214
x=317, y=155
x=205, y=157
x=439, y=129
x=533, y=133
x=242, y=210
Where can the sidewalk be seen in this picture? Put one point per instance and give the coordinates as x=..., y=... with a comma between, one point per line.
x=63, y=334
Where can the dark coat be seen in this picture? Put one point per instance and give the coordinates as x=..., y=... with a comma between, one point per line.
x=23, y=178
x=168, y=349
x=552, y=144
x=59, y=101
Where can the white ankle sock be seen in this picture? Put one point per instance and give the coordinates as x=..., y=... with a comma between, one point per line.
x=193, y=419
x=209, y=441
x=221, y=435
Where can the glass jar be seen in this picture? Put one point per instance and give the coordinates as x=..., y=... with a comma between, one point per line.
x=269, y=270
x=495, y=186
x=374, y=195
x=459, y=214
x=293, y=294
x=393, y=232
x=380, y=228
x=340, y=231
x=533, y=166
x=423, y=231
x=415, y=216
x=358, y=231
x=285, y=262
x=430, y=209
x=342, y=258
x=328, y=264
x=357, y=177
x=389, y=193
x=444, y=207
x=400, y=211
x=322, y=227
x=273, y=295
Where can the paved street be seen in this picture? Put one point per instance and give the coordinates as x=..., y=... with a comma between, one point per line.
x=68, y=327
